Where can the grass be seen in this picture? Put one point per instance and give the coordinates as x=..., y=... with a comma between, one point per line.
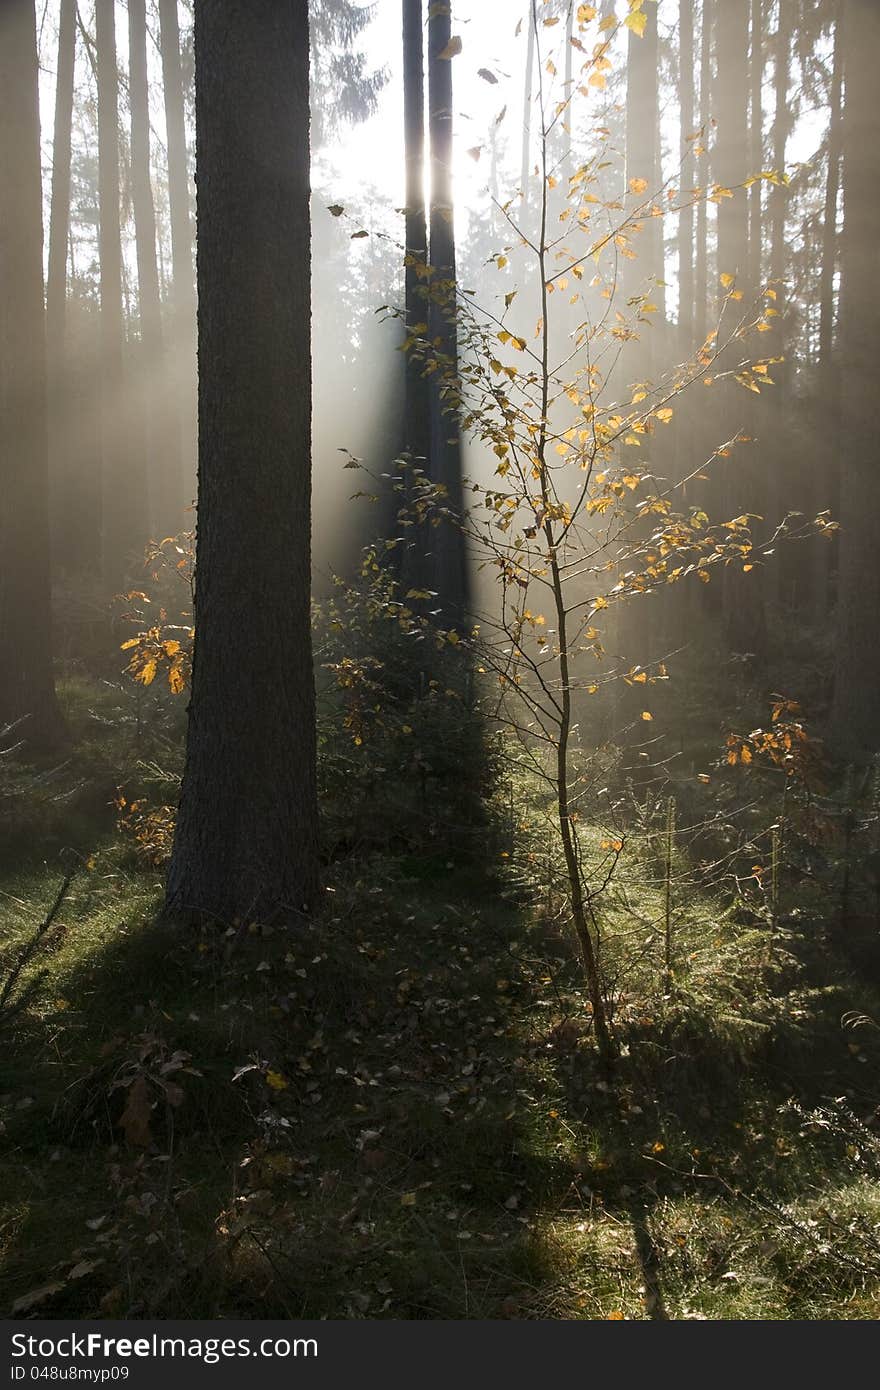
x=397, y=1110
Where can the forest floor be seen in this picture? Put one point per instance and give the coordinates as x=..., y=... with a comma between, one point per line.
x=396, y=1110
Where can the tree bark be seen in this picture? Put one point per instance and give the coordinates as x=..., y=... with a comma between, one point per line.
x=686, y=148
x=27, y=691
x=246, y=841
x=181, y=342
x=857, y=678
x=417, y=407
x=701, y=254
x=60, y=488
x=124, y=529
x=160, y=486
x=829, y=477
x=450, y=562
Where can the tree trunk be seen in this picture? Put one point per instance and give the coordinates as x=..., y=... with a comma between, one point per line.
x=525, y=159
x=857, y=678
x=246, y=841
x=181, y=344
x=451, y=572
x=783, y=475
x=417, y=402
x=124, y=532
x=701, y=255
x=164, y=494
x=829, y=477
x=56, y=289
x=643, y=161
x=756, y=143
x=686, y=147
x=735, y=489
x=27, y=691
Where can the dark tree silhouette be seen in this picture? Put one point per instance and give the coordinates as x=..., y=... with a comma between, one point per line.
x=26, y=688
x=246, y=840
x=858, y=651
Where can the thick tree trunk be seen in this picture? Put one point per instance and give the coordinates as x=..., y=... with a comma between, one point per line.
x=246, y=840
x=162, y=489
x=60, y=489
x=181, y=340
x=445, y=448
x=26, y=688
x=854, y=720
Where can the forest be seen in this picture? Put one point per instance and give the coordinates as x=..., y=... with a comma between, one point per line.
x=439, y=744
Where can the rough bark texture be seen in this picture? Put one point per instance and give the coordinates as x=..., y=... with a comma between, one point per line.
x=450, y=569
x=183, y=300
x=246, y=841
x=26, y=687
x=854, y=720
x=150, y=393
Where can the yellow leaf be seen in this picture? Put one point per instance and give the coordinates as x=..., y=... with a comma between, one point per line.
x=452, y=49
x=276, y=1081
x=664, y=414
x=727, y=280
x=647, y=715
x=585, y=13
x=147, y=674
x=638, y=185
x=408, y=1199
x=636, y=22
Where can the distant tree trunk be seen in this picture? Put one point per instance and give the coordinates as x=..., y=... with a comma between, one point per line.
x=735, y=489
x=832, y=195
x=525, y=160
x=643, y=161
x=756, y=142
x=778, y=203
x=27, y=691
x=417, y=404
x=56, y=289
x=568, y=96
x=701, y=256
x=783, y=474
x=122, y=473
x=181, y=341
x=828, y=497
x=246, y=841
x=451, y=570
x=162, y=488
x=686, y=147
x=857, y=679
